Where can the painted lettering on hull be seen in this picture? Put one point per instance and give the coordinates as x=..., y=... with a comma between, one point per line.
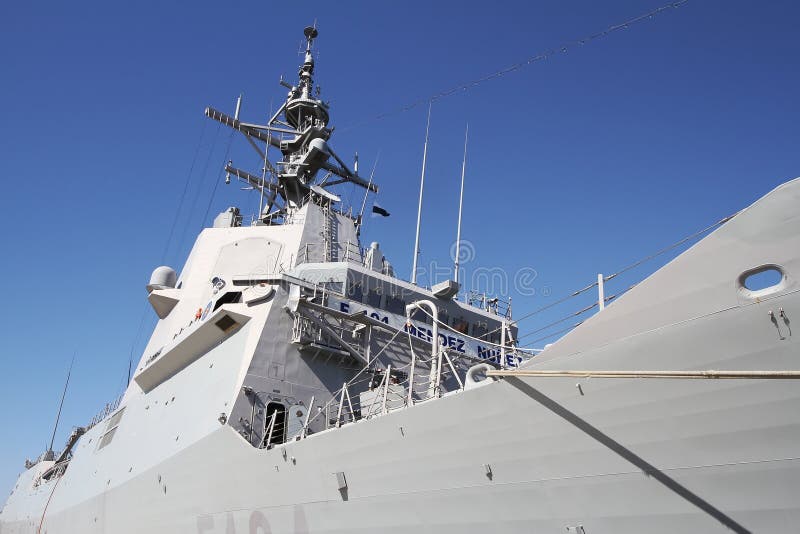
x=248, y=521
x=448, y=339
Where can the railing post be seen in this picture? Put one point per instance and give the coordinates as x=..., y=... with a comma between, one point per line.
x=411, y=370
x=502, y=344
x=601, y=297
x=350, y=404
x=384, y=410
x=375, y=398
x=453, y=369
x=271, y=428
x=437, y=388
x=341, y=406
x=436, y=364
x=308, y=416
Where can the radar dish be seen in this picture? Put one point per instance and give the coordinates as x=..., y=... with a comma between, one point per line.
x=311, y=32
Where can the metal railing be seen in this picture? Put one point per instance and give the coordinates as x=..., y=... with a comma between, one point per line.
x=490, y=304
x=382, y=391
x=305, y=331
x=107, y=410
x=339, y=251
x=374, y=391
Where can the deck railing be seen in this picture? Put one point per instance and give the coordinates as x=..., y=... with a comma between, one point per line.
x=339, y=251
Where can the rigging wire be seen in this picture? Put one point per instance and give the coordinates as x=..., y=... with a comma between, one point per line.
x=183, y=194
x=182, y=241
x=567, y=329
x=61, y=404
x=567, y=318
x=216, y=182
x=625, y=269
x=47, y=504
x=563, y=48
x=138, y=334
x=670, y=247
x=575, y=314
x=352, y=380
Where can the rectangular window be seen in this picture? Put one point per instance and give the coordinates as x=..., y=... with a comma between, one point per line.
x=460, y=325
x=394, y=304
x=226, y=324
x=444, y=316
x=479, y=329
x=354, y=291
x=374, y=298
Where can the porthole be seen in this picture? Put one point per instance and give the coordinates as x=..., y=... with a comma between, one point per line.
x=762, y=280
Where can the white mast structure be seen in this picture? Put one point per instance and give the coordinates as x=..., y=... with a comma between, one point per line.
x=460, y=206
x=421, y=188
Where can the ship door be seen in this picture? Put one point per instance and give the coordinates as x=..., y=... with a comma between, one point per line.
x=279, y=430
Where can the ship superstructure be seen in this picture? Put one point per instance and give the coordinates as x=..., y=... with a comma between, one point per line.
x=287, y=326
x=294, y=384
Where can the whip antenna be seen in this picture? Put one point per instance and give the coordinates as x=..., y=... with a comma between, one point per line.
x=366, y=193
x=460, y=205
x=421, y=187
x=61, y=404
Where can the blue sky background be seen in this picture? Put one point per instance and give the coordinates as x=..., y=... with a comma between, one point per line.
x=578, y=164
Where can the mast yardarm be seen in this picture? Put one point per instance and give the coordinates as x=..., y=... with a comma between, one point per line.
x=299, y=130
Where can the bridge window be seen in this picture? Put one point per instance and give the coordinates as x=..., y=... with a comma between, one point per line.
x=355, y=291
x=395, y=304
x=444, y=316
x=460, y=325
x=374, y=298
x=479, y=329
x=421, y=316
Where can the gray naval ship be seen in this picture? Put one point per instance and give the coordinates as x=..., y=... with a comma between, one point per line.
x=294, y=384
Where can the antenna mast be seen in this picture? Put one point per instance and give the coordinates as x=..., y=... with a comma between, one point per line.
x=460, y=206
x=366, y=193
x=61, y=405
x=299, y=130
x=421, y=187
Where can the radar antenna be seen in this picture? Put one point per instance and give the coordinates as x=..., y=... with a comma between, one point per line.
x=299, y=130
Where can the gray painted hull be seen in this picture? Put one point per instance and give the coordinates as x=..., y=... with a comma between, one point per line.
x=526, y=455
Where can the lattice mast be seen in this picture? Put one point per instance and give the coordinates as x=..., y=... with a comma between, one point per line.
x=299, y=130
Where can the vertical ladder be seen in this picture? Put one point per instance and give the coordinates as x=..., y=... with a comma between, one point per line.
x=329, y=233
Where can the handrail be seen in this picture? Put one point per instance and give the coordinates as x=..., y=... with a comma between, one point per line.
x=710, y=374
x=601, y=298
x=436, y=362
x=346, y=251
x=107, y=410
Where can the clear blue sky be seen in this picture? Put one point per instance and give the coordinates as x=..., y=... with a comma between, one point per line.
x=577, y=165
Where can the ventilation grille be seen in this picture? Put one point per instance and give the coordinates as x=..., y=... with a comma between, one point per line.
x=111, y=429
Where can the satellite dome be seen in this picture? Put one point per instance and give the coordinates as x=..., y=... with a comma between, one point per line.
x=163, y=277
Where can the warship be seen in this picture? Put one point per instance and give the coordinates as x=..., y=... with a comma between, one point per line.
x=294, y=384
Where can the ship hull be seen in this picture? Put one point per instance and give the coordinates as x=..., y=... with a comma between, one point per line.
x=518, y=455
x=530, y=455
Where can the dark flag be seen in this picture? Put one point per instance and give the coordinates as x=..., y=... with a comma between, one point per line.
x=379, y=210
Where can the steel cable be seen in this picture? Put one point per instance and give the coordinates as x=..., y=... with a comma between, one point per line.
x=517, y=66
